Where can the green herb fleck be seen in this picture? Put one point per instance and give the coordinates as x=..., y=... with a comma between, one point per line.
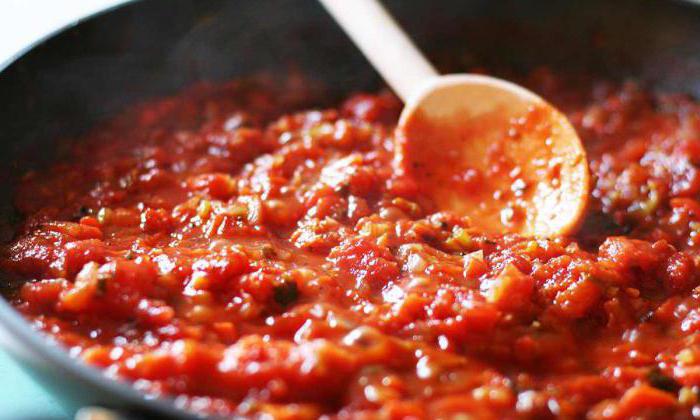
x=659, y=380
x=269, y=252
x=102, y=283
x=286, y=293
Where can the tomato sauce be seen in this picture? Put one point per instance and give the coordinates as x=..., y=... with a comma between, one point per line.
x=242, y=259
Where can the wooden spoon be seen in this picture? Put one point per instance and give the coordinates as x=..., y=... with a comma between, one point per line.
x=474, y=144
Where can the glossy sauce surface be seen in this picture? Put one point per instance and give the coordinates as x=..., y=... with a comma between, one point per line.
x=217, y=249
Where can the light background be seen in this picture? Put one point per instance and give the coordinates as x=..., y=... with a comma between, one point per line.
x=25, y=21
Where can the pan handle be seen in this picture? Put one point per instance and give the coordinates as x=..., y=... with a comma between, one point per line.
x=98, y=413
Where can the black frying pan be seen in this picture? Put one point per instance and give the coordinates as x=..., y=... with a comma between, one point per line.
x=150, y=48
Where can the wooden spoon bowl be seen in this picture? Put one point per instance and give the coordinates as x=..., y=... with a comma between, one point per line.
x=496, y=152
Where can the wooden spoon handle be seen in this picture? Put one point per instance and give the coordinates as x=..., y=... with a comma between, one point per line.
x=381, y=40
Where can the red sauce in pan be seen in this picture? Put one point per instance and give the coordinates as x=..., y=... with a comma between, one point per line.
x=216, y=249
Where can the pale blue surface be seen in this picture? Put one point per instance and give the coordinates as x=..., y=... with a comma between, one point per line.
x=22, y=398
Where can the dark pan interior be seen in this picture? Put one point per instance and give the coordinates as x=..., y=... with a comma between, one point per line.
x=156, y=47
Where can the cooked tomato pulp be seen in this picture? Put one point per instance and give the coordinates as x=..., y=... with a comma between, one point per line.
x=214, y=248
